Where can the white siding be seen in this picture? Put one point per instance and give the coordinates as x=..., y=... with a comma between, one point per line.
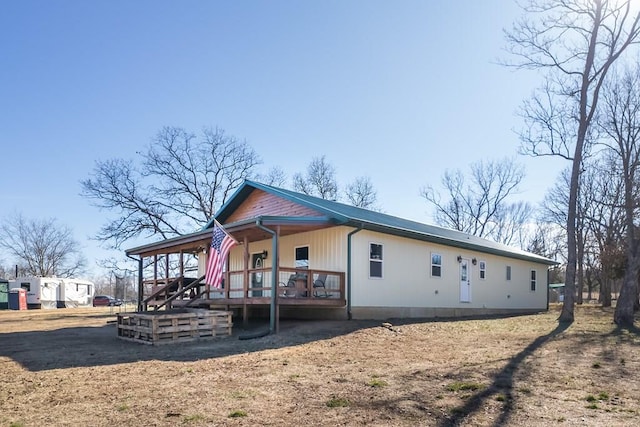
x=407, y=280
x=406, y=272
x=327, y=251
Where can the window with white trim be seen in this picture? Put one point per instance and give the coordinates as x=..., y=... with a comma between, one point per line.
x=436, y=265
x=302, y=257
x=483, y=269
x=533, y=281
x=508, y=272
x=375, y=260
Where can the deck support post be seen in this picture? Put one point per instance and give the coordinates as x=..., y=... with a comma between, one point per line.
x=181, y=283
x=140, y=285
x=155, y=270
x=245, y=281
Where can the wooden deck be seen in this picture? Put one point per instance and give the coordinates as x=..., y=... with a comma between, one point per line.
x=295, y=287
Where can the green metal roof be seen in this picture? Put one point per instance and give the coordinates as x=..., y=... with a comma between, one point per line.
x=342, y=214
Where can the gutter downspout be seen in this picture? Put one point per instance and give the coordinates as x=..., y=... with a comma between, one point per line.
x=274, y=274
x=140, y=287
x=548, y=289
x=351, y=233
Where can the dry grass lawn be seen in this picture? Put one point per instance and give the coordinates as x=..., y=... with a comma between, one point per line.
x=67, y=367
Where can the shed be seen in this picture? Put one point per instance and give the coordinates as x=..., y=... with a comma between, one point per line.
x=556, y=292
x=4, y=294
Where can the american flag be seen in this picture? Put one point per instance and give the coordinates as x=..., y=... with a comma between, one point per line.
x=221, y=244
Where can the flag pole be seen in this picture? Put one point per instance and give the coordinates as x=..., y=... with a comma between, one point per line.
x=225, y=231
x=217, y=257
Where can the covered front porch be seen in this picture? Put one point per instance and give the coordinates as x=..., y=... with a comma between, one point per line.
x=301, y=287
x=171, y=272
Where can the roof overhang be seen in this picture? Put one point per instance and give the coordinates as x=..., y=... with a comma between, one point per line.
x=468, y=245
x=246, y=229
x=193, y=242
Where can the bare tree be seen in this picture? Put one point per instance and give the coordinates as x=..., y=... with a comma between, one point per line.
x=319, y=180
x=620, y=120
x=510, y=224
x=575, y=42
x=361, y=193
x=275, y=177
x=599, y=203
x=547, y=240
x=179, y=184
x=481, y=206
x=41, y=247
x=597, y=218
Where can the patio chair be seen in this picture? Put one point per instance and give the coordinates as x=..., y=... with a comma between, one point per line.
x=319, y=288
x=289, y=287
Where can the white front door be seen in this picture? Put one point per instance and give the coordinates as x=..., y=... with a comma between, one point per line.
x=465, y=281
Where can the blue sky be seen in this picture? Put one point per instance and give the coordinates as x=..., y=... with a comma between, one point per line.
x=398, y=91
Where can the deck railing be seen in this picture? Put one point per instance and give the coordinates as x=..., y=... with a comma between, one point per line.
x=305, y=284
x=294, y=286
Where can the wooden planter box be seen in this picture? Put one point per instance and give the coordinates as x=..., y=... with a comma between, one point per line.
x=166, y=327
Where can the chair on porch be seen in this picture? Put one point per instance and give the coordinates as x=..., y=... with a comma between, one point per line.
x=318, y=284
x=289, y=287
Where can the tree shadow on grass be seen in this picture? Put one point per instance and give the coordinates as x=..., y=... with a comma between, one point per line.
x=100, y=346
x=627, y=333
x=502, y=384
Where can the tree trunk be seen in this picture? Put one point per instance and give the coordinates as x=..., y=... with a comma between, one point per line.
x=584, y=120
x=605, y=293
x=580, y=260
x=636, y=303
x=623, y=315
x=566, y=315
x=628, y=294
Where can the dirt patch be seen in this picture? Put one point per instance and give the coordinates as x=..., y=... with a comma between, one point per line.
x=67, y=367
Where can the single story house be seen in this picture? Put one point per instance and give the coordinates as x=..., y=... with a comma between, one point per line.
x=331, y=260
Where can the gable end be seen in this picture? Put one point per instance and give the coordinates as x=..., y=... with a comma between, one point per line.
x=261, y=203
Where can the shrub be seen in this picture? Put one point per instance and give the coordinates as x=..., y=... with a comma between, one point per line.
x=460, y=386
x=337, y=402
x=375, y=382
x=238, y=414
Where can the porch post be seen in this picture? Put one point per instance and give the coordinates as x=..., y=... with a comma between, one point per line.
x=166, y=267
x=140, y=285
x=155, y=269
x=181, y=284
x=276, y=261
x=245, y=281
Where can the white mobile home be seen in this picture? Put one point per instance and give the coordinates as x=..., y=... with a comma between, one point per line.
x=313, y=257
x=54, y=292
x=76, y=293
